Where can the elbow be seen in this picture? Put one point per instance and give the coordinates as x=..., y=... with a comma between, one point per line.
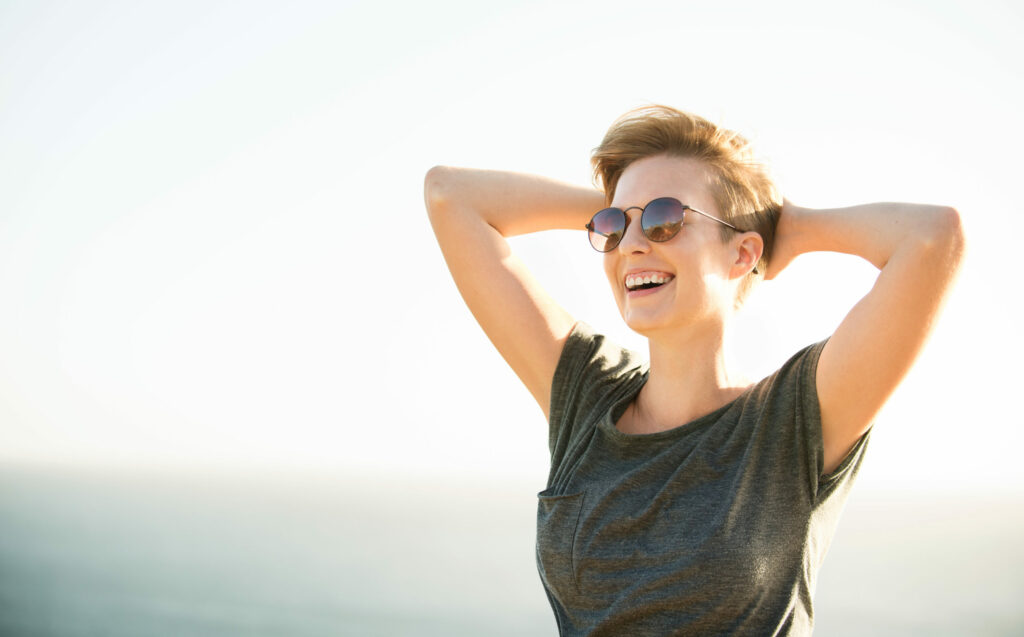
x=953, y=229
x=948, y=235
x=437, y=188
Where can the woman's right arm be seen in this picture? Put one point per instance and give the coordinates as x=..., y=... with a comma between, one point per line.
x=472, y=211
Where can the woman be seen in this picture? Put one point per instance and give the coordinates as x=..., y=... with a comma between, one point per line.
x=683, y=499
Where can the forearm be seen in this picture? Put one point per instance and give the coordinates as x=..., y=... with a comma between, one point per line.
x=875, y=232
x=511, y=203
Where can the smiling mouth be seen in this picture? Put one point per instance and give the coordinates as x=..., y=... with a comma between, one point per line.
x=647, y=281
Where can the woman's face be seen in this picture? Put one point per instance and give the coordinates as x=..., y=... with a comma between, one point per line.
x=697, y=265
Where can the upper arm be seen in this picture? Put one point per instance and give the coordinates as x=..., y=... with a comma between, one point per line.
x=524, y=323
x=877, y=342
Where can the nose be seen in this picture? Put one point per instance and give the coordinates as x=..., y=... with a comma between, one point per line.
x=633, y=239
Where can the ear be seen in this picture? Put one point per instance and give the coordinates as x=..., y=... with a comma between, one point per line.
x=748, y=249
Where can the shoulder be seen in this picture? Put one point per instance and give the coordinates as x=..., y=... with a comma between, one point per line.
x=588, y=354
x=586, y=349
x=589, y=364
x=795, y=378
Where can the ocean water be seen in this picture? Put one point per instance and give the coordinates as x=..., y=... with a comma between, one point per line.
x=119, y=554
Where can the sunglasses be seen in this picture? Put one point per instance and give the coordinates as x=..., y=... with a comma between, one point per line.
x=660, y=220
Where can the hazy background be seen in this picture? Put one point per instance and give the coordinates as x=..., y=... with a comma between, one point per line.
x=216, y=269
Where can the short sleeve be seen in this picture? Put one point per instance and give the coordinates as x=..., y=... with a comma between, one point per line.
x=809, y=421
x=588, y=372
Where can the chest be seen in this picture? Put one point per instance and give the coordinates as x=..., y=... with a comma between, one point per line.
x=685, y=525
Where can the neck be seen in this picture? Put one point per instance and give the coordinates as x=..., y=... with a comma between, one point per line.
x=690, y=376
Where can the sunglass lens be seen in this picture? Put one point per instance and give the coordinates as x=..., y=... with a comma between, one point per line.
x=606, y=229
x=662, y=219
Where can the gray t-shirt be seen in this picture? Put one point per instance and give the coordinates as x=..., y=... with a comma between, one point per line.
x=715, y=527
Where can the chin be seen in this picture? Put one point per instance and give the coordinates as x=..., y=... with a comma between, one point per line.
x=645, y=323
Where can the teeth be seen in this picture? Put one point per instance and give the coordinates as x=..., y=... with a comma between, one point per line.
x=645, y=279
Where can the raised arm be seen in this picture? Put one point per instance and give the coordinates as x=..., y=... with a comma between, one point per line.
x=919, y=250
x=472, y=211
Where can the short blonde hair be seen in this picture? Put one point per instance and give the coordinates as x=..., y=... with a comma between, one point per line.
x=742, y=187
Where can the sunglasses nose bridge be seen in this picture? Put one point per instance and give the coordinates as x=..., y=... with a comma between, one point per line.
x=633, y=238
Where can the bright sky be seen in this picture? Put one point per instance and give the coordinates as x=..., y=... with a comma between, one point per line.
x=213, y=248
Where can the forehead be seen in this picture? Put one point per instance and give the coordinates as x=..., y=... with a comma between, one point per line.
x=685, y=179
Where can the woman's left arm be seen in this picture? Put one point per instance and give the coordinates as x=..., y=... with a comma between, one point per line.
x=919, y=250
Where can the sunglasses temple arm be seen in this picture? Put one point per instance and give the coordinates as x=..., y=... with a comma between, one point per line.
x=724, y=223
x=591, y=228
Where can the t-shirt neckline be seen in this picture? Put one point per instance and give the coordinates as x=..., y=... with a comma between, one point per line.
x=619, y=406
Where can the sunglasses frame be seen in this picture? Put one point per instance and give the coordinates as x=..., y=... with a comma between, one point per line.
x=626, y=221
